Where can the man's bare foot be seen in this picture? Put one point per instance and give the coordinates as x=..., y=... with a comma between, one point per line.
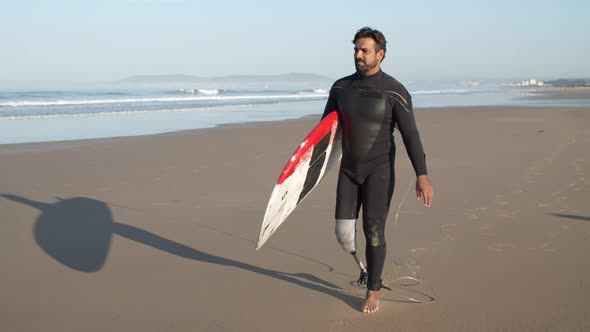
x=371, y=304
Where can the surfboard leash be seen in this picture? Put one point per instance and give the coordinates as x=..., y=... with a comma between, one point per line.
x=414, y=278
x=400, y=282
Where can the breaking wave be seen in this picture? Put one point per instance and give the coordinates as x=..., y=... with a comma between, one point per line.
x=205, y=97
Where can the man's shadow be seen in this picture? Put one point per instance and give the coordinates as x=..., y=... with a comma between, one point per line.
x=570, y=216
x=77, y=233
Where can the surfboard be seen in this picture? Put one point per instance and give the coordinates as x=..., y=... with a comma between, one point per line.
x=319, y=152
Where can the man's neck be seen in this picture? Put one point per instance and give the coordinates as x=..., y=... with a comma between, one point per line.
x=372, y=72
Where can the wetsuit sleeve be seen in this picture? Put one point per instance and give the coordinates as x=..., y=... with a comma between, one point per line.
x=403, y=114
x=332, y=103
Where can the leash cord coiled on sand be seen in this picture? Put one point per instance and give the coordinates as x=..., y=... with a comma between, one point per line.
x=414, y=278
x=400, y=282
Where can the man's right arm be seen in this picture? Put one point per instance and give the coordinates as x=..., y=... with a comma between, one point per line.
x=331, y=104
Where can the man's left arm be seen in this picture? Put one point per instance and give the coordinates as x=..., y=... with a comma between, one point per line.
x=404, y=118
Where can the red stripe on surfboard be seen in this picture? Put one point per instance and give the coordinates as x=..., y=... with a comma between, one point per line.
x=316, y=135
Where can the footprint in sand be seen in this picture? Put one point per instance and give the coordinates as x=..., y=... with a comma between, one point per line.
x=448, y=231
x=417, y=251
x=338, y=325
x=484, y=227
x=500, y=247
x=475, y=214
x=413, y=265
x=545, y=245
x=506, y=214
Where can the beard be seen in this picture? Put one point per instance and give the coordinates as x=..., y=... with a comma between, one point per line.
x=363, y=67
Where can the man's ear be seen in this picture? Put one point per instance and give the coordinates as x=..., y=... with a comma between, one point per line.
x=380, y=55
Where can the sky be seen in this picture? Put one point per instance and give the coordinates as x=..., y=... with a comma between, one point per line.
x=64, y=42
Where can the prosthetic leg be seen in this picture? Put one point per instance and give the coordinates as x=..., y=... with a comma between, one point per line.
x=346, y=235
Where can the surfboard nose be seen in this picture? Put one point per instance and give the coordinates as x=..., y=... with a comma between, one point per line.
x=303, y=171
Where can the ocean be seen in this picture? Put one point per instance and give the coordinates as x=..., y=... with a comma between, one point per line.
x=45, y=115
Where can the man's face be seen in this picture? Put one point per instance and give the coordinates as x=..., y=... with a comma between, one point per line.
x=366, y=60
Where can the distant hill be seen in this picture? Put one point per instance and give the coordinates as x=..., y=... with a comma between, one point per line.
x=157, y=79
x=185, y=81
x=569, y=82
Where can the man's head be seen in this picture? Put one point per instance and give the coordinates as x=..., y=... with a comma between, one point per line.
x=369, y=50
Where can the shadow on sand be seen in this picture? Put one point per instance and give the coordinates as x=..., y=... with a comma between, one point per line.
x=570, y=216
x=77, y=233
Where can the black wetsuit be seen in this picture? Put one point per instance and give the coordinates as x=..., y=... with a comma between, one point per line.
x=369, y=109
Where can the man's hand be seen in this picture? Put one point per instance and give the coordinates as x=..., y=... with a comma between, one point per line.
x=424, y=189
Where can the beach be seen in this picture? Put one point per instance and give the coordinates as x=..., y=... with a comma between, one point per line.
x=158, y=232
x=561, y=93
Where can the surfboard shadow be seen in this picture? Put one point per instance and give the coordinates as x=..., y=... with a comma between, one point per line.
x=77, y=232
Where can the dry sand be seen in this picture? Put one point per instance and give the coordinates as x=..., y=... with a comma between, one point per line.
x=157, y=233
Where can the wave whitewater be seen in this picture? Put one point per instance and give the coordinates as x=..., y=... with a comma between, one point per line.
x=212, y=97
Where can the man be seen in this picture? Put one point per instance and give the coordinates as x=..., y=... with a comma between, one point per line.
x=370, y=104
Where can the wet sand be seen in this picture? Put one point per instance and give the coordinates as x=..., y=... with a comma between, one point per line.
x=561, y=93
x=157, y=233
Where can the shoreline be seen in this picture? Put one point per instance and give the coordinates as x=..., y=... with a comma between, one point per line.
x=35, y=146
x=558, y=93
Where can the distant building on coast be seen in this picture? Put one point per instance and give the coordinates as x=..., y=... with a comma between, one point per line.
x=528, y=83
x=555, y=83
x=531, y=82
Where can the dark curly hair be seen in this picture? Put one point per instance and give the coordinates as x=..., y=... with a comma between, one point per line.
x=376, y=35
